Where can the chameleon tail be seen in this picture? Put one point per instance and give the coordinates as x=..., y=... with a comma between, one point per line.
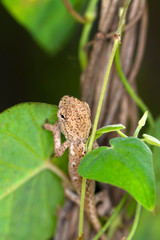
x=90, y=207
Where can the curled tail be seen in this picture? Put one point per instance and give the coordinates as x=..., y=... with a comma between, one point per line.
x=90, y=207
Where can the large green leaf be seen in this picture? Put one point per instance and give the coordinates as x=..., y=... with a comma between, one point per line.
x=126, y=164
x=47, y=20
x=29, y=193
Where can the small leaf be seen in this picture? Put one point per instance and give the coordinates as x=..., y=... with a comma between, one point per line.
x=29, y=193
x=109, y=128
x=126, y=164
x=143, y=119
x=141, y=124
x=151, y=140
x=48, y=21
x=106, y=129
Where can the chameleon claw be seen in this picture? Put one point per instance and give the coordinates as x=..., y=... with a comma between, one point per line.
x=46, y=121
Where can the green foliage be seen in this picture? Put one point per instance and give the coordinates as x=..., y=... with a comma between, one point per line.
x=47, y=20
x=31, y=211
x=126, y=164
x=29, y=193
x=148, y=227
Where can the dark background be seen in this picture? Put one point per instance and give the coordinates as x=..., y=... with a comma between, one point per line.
x=28, y=73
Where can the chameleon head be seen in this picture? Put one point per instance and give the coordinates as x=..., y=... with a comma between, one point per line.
x=74, y=118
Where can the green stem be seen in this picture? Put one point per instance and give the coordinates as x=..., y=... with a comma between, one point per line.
x=115, y=45
x=82, y=207
x=129, y=89
x=122, y=17
x=116, y=42
x=90, y=16
x=121, y=133
x=138, y=209
x=136, y=220
x=83, y=40
x=116, y=211
x=137, y=131
x=141, y=124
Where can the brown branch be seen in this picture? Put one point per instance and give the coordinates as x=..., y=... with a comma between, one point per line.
x=141, y=46
x=99, y=36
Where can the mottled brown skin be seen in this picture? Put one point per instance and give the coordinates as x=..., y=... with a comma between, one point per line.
x=74, y=122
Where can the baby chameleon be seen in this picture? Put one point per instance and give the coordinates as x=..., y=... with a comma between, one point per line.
x=74, y=122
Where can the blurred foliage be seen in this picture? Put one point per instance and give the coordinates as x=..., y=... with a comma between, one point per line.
x=148, y=227
x=156, y=161
x=47, y=20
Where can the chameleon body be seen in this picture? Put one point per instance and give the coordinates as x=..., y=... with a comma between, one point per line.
x=74, y=122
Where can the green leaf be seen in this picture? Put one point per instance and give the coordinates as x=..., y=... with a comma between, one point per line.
x=109, y=128
x=31, y=211
x=106, y=129
x=47, y=20
x=126, y=164
x=29, y=193
x=62, y=162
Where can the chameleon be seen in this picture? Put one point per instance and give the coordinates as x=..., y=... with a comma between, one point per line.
x=74, y=121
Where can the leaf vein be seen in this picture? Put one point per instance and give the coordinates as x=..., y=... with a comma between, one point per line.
x=39, y=130
x=21, y=141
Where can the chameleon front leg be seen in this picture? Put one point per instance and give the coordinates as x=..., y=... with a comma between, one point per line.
x=59, y=148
